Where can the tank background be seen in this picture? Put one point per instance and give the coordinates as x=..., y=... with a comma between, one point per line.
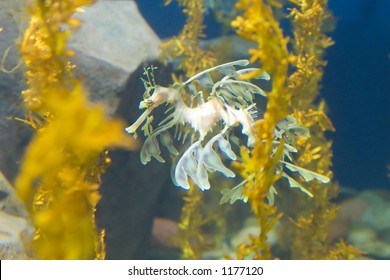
x=356, y=83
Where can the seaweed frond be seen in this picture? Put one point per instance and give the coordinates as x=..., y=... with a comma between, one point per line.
x=311, y=238
x=60, y=174
x=258, y=24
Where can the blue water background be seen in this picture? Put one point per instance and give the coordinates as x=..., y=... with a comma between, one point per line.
x=356, y=84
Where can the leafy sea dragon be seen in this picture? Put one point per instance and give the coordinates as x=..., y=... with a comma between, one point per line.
x=230, y=103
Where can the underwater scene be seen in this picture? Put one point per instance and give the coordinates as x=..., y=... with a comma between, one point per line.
x=195, y=129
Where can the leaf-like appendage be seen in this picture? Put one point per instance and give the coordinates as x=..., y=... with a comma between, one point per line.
x=223, y=68
x=228, y=70
x=240, y=92
x=305, y=173
x=262, y=76
x=249, y=87
x=271, y=195
x=187, y=167
x=205, y=80
x=234, y=194
x=294, y=184
x=237, y=93
x=192, y=89
x=209, y=160
x=284, y=123
x=167, y=141
x=225, y=147
x=288, y=129
x=150, y=149
x=196, y=162
x=227, y=95
x=299, y=130
x=287, y=149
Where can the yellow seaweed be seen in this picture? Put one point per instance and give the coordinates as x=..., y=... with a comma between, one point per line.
x=311, y=239
x=60, y=174
x=294, y=94
x=257, y=23
x=191, y=238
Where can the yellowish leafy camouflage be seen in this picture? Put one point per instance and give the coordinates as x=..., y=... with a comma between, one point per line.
x=311, y=239
x=191, y=238
x=257, y=23
x=60, y=174
x=296, y=95
x=344, y=251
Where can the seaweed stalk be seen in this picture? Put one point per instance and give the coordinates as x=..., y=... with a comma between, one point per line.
x=311, y=236
x=60, y=174
x=257, y=23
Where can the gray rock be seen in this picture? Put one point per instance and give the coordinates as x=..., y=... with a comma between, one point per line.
x=377, y=214
x=361, y=235
x=376, y=248
x=112, y=42
x=12, y=23
x=371, y=227
x=13, y=134
x=16, y=231
x=9, y=202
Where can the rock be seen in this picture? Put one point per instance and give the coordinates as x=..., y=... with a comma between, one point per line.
x=16, y=231
x=13, y=20
x=9, y=202
x=111, y=43
x=15, y=228
x=378, y=249
x=371, y=224
x=164, y=232
x=350, y=212
x=362, y=235
x=377, y=214
x=14, y=135
x=251, y=228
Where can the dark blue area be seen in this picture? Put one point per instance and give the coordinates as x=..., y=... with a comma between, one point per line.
x=356, y=83
x=168, y=20
x=165, y=20
x=356, y=87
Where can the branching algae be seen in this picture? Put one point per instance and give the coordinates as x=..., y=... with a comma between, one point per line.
x=60, y=174
x=293, y=95
x=311, y=239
